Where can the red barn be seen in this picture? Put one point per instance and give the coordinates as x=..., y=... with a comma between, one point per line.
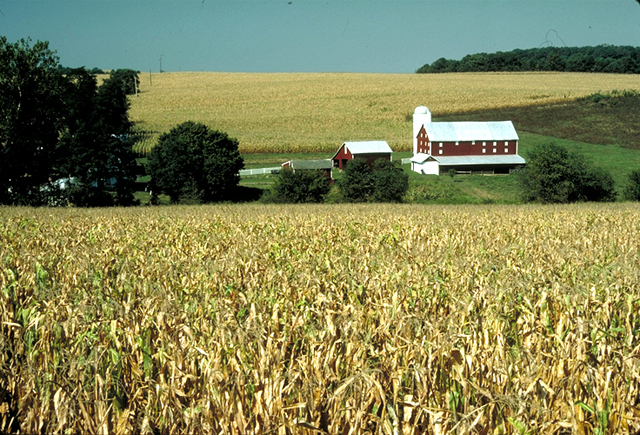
x=369, y=150
x=463, y=146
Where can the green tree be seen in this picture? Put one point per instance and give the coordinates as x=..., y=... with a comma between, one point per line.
x=302, y=186
x=95, y=149
x=553, y=174
x=127, y=78
x=356, y=184
x=632, y=188
x=192, y=162
x=384, y=182
x=390, y=183
x=31, y=115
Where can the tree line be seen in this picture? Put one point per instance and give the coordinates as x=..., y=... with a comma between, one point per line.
x=63, y=138
x=601, y=58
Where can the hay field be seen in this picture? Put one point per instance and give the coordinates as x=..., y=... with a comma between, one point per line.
x=250, y=319
x=304, y=112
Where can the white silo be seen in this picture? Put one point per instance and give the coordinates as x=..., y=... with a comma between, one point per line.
x=421, y=116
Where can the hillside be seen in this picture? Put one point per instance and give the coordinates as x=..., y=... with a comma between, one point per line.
x=286, y=113
x=605, y=119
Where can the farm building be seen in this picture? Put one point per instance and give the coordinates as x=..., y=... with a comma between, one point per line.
x=369, y=150
x=324, y=165
x=468, y=147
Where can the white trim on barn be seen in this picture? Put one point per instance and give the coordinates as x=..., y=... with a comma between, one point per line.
x=436, y=165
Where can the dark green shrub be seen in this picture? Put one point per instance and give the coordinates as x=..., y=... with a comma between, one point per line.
x=127, y=78
x=385, y=182
x=390, y=183
x=554, y=174
x=632, y=188
x=302, y=186
x=356, y=184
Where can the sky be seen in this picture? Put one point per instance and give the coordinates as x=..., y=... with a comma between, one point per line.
x=369, y=36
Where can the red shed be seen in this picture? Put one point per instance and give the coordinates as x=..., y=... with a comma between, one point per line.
x=369, y=150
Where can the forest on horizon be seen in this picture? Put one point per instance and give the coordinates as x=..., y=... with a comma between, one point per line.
x=602, y=58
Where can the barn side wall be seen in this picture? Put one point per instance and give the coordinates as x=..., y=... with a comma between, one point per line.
x=471, y=148
x=342, y=156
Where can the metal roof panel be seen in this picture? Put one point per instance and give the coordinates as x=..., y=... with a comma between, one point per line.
x=469, y=131
x=368, y=147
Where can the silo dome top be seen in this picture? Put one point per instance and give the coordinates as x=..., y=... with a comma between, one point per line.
x=421, y=110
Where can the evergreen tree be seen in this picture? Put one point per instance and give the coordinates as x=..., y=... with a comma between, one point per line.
x=356, y=184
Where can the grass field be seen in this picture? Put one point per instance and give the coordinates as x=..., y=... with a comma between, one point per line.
x=300, y=319
x=291, y=113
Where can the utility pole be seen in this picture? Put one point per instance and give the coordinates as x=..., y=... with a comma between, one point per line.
x=161, y=62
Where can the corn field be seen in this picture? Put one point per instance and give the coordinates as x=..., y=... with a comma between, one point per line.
x=253, y=319
x=287, y=113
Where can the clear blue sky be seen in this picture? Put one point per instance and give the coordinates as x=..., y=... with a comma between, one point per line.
x=387, y=36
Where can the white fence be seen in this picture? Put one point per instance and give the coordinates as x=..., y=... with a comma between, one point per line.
x=275, y=170
x=260, y=171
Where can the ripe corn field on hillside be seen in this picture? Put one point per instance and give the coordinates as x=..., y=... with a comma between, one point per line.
x=253, y=319
x=304, y=112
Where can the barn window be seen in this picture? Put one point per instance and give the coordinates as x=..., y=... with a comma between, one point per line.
x=457, y=143
x=473, y=142
x=484, y=150
x=495, y=143
x=484, y=144
x=440, y=151
x=440, y=144
x=506, y=143
x=506, y=150
x=495, y=150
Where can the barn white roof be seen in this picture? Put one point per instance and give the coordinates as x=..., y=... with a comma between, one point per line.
x=420, y=158
x=469, y=131
x=510, y=159
x=368, y=147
